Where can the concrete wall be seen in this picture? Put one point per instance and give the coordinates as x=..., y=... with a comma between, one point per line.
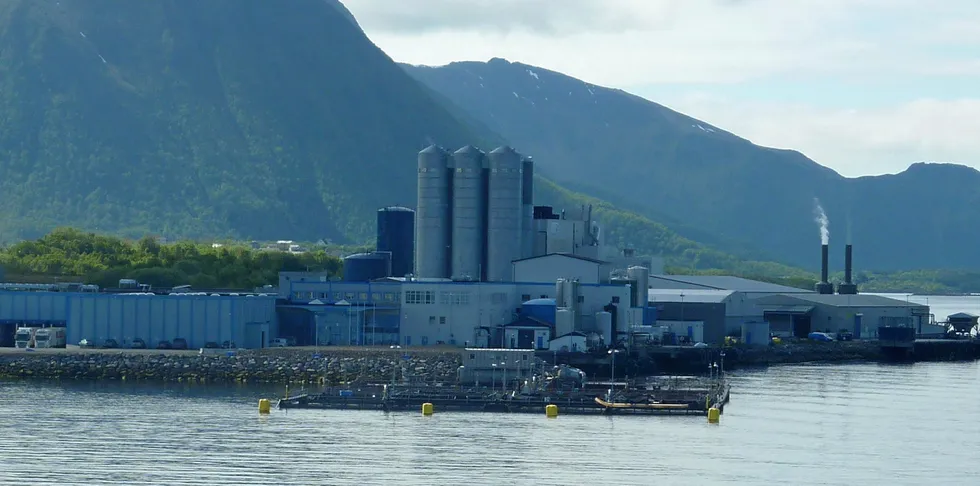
x=552, y=267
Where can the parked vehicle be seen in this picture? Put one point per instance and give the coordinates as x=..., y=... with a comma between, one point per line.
x=138, y=344
x=164, y=345
x=24, y=338
x=282, y=342
x=85, y=343
x=180, y=343
x=211, y=345
x=110, y=344
x=50, y=337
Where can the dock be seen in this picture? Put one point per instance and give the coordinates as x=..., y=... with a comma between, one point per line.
x=659, y=397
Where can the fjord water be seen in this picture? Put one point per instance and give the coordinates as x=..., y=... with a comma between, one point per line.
x=801, y=425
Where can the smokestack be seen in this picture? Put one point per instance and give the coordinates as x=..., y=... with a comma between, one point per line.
x=823, y=286
x=824, y=262
x=848, y=287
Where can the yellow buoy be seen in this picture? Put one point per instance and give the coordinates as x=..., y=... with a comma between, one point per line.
x=714, y=415
x=551, y=410
x=426, y=408
x=265, y=405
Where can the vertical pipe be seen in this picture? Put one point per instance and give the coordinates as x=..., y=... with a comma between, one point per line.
x=847, y=264
x=824, y=257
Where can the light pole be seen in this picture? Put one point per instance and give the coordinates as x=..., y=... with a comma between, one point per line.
x=393, y=366
x=493, y=377
x=612, y=372
x=503, y=383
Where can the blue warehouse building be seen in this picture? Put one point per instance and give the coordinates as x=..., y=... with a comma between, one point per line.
x=248, y=321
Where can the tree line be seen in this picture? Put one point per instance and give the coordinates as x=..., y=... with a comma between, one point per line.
x=68, y=254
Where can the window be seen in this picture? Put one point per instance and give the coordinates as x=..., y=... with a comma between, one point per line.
x=472, y=356
x=420, y=297
x=432, y=320
x=338, y=296
x=349, y=296
x=544, y=296
x=581, y=299
x=376, y=296
x=323, y=295
x=363, y=296
x=454, y=298
x=615, y=299
x=390, y=297
x=442, y=320
x=525, y=297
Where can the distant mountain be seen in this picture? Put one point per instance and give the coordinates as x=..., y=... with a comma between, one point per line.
x=703, y=180
x=231, y=119
x=240, y=118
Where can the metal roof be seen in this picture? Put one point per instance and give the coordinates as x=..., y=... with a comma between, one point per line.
x=703, y=296
x=837, y=300
x=727, y=282
x=568, y=255
x=788, y=309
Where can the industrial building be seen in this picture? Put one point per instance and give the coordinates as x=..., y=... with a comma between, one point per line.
x=475, y=265
x=247, y=321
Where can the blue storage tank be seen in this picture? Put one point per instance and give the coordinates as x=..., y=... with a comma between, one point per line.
x=364, y=267
x=540, y=309
x=396, y=234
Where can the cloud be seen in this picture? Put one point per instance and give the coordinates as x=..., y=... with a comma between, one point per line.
x=631, y=42
x=854, y=142
x=908, y=54
x=538, y=17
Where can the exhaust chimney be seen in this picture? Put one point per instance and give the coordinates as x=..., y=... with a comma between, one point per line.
x=823, y=286
x=824, y=262
x=848, y=287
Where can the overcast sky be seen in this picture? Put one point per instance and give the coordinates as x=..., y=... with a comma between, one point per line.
x=862, y=86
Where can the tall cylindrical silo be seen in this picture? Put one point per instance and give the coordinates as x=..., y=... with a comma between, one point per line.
x=433, y=229
x=396, y=235
x=469, y=214
x=504, y=214
x=641, y=277
x=560, y=300
x=527, y=208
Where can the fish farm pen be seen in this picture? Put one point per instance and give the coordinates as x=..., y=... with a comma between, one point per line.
x=659, y=396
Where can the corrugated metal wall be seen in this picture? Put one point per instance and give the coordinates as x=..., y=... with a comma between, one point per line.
x=198, y=319
x=33, y=306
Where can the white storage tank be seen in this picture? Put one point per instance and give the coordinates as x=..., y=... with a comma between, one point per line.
x=433, y=217
x=504, y=214
x=603, y=321
x=564, y=322
x=560, y=300
x=469, y=214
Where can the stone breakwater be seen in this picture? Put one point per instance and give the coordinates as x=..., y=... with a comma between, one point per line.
x=805, y=352
x=266, y=366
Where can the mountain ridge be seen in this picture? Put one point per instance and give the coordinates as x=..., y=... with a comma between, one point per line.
x=722, y=184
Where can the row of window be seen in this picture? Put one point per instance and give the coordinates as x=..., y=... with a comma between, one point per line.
x=420, y=297
x=389, y=297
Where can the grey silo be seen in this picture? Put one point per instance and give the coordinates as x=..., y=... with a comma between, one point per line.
x=433, y=217
x=527, y=208
x=469, y=214
x=396, y=235
x=504, y=213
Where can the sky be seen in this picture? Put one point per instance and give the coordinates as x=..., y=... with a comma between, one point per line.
x=865, y=87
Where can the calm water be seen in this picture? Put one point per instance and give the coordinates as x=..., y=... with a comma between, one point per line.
x=800, y=425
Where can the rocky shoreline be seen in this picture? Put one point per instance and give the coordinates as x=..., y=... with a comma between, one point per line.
x=328, y=367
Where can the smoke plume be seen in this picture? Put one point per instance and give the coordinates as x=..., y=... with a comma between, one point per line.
x=821, y=218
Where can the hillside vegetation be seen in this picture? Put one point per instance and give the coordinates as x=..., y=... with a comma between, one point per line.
x=71, y=255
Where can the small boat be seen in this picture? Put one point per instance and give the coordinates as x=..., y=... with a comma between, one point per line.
x=654, y=406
